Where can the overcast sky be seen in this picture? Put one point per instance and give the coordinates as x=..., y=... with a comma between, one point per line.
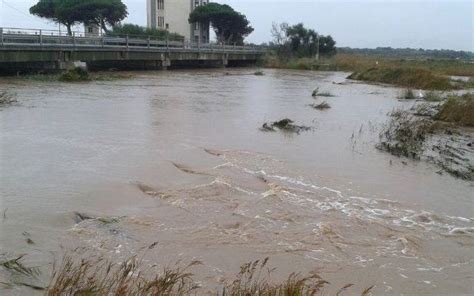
x=433, y=24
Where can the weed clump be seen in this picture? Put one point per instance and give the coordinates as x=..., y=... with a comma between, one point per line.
x=409, y=135
x=6, y=99
x=458, y=110
x=100, y=277
x=432, y=96
x=325, y=94
x=316, y=93
x=75, y=75
x=16, y=265
x=286, y=125
x=406, y=77
x=405, y=134
x=259, y=73
x=321, y=106
x=407, y=94
x=254, y=279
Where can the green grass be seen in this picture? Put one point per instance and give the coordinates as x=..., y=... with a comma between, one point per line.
x=422, y=74
x=406, y=77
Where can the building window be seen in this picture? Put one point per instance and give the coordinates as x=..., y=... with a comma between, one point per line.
x=161, y=4
x=90, y=30
x=161, y=21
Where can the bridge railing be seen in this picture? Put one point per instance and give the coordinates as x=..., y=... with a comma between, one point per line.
x=55, y=38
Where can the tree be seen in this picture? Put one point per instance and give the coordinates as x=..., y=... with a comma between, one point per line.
x=301, y=42
x=230, y=26
x=103, y=12
x=71, y=12
x=60, y=11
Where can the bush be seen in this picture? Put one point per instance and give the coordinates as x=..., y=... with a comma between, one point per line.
x=75, y=75
x=139, y=31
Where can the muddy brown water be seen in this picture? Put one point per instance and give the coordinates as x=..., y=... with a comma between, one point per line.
x=178, y=158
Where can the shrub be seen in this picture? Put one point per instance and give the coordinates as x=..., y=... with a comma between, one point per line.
x=75, y=75
x=139, y=31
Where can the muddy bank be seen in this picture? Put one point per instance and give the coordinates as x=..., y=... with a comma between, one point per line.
x=440, y=133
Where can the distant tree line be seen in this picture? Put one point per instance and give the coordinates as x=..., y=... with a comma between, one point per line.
x=410, y=53
x=298, y=41
x=102, y=13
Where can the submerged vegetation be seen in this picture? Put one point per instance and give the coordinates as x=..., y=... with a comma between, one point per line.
x=317, y=93
x=458, y=110
x=321, y=106
x=430, y=133
x=407, y=94
x=6, y=99
x=286, y=125
x=405, y=134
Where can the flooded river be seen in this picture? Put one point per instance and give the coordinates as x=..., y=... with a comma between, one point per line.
x=177, y=158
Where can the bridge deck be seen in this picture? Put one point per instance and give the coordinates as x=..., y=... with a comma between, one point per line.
x=33, y=50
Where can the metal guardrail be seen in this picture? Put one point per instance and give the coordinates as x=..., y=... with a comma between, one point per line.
x=78, y=40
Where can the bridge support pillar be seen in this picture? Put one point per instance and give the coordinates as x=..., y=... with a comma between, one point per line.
x=225, y=60
x=166, y=63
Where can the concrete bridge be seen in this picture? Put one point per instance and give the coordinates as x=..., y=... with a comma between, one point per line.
x=32, y=50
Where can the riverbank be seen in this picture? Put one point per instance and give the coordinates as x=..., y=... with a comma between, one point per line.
x=420, y=74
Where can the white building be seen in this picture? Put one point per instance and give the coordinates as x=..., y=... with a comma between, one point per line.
x=173, y=15
x=91, y=30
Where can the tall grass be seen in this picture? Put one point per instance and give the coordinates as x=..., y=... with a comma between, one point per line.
x=406, y=77
x=101, y=277
x=422, y=74
x=458, y=109
x=254, y=278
